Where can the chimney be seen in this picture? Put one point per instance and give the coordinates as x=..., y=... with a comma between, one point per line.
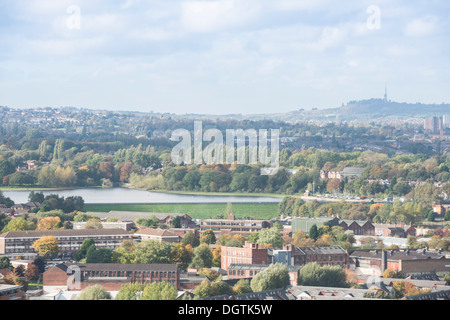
x=383, y=261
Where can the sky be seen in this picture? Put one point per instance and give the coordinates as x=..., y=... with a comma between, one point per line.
x=222, y=56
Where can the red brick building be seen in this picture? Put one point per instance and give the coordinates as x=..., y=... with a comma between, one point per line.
x=233, y=226
x=111, y=276
x=404, y=260
x=250, y=253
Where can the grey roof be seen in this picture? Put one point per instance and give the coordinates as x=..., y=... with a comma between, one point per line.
x=328, y=293
x=127, y=266
x=421, y=254
x=63, y=233
x=438, y=295
x=352, y=171
x=321, y=250
x=275, y=294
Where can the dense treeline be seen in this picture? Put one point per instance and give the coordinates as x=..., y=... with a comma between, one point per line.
x=398, y=212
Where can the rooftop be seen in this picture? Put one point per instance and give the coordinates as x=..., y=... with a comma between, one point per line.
x=63, y=233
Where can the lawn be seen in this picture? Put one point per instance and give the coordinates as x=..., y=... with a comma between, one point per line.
x=194, y=210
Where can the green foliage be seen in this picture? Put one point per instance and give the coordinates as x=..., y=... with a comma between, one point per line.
x=270, y=237
x=95, y=292
x=18, y=224
x=5, y=263
x=276, y=276
x=191, y=239
x=202, y=257
x=130, y=291
x=102, y=255
x=159, y=291
x=312, y=274
x=213, y=288
x=208, y=237
x=84, y=249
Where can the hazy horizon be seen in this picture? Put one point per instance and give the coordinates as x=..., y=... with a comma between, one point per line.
x=221, y=57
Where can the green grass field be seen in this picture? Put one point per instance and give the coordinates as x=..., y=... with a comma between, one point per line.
x=194, y=210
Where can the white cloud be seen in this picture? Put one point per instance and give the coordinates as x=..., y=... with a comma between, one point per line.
x=211, y=16
x=421, y=27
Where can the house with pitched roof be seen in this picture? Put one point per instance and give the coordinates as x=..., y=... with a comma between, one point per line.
x=156, y=234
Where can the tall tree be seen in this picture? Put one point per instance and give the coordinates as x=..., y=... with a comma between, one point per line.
x=46, y=246
x=276, y=276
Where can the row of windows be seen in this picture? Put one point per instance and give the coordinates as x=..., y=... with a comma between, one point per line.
x=242, y=272
x=163, y=274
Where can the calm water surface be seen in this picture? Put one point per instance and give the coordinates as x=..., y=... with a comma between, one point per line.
x=123, y=195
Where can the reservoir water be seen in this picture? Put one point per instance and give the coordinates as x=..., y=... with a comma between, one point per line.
x=124, y=195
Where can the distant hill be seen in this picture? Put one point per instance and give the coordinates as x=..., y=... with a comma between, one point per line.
x=372, y=109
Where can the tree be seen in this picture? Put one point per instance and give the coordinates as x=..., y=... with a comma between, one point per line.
x=40, y=263
x=190, y=238
x=334, y=185
x=65, y=176
x=6, y=168
x=32, y=273
x=182, y=255
x=49, y=223
x=152, y=251
x=314, y=232
x=228, y=240
x=130, y=291
x=312, y=274
x=213, y=288
x=106, y=169
x=36, y=197
x=102, y=255
x=125, y=252
x=202, y=257
x=216, y=261
x=5, y=263
x=46, y=246
x=58, y=150
x=208, y=237
x=85, y=246
x=125, y=170
x=431, y=216
x=447, y=215
x=19, y=271
x=276, y=276
x=242, y=286
x=405, y=288
x=95, y=292
x=271, y=237
x=18, y=224
x=93, y=224
x=159, y=291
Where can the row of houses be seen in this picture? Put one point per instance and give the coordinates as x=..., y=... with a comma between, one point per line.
x=358, y=227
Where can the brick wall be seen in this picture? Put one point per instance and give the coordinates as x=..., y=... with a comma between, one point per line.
x=431, y=265
x=55, y=277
